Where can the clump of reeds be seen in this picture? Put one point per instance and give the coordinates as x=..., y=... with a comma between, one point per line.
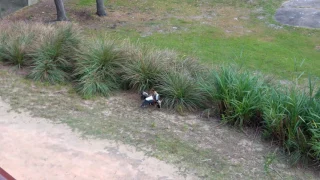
x=97, y=68
x=53, y=61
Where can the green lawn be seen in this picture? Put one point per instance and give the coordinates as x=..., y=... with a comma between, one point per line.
x=264, y=46
x=87, y=2
x=278, y=55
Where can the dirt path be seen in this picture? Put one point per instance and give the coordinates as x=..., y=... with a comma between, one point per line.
x=32, y=148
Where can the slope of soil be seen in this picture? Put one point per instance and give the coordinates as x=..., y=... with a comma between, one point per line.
x=33, y=148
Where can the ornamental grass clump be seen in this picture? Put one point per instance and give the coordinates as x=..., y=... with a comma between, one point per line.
x=2, y=45
x=237, y=94
x=97, y=68
x=291, y=117
x=143, y=66
x=191, y=66
x=54, y=60
x=313, y=124
x=180, y=91
x=16, y=51
x=16, y=42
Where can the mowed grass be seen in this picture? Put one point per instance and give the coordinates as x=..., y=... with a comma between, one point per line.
x=219, y=32
x=277, y=53
x=87, y=2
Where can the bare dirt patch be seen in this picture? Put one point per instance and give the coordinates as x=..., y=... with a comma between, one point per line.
x=34, y=148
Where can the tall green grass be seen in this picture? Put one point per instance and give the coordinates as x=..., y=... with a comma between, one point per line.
x=239, y=95
x=166, y=71
x=16, y=51
x=143, y=66
x=291, y=117
x=2, y=46
x=180, y=91
x=16, y=44
x=97, y=68
x=54, y=60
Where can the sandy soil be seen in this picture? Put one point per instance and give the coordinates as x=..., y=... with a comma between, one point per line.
x=33, y=148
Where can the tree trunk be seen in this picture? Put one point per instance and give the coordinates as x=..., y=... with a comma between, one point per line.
x=61, y=13
x=100, y=8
